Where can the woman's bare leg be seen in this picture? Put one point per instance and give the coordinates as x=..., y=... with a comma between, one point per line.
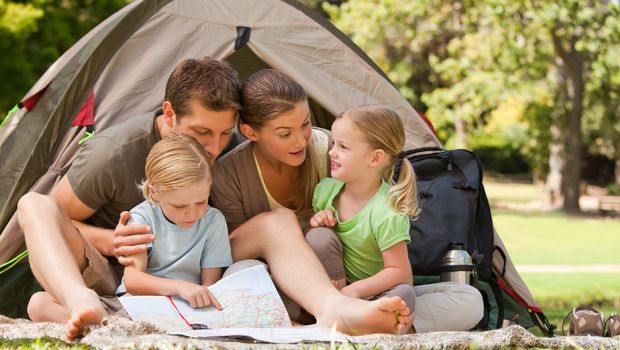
x=276, y=237
x=56, y=254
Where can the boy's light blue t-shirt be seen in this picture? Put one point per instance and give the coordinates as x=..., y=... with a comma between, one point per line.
x=180, y=253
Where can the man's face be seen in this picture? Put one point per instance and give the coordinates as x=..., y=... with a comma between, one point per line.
x=210, y=128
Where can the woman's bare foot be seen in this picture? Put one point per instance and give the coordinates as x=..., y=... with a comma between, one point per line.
x=85, y=310
x=356, y=316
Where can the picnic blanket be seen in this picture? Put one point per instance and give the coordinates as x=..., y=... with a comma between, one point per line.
x=124, y=333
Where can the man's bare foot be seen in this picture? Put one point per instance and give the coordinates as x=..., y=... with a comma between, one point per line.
x=356, y=316
x=85, y=310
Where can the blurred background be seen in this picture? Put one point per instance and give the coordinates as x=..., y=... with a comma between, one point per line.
x=531, y=86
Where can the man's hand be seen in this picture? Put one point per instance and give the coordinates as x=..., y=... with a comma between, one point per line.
x=324, y=218
x=196, y=295
x=130, y=239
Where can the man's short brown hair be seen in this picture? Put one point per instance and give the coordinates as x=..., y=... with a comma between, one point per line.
x=212, y=83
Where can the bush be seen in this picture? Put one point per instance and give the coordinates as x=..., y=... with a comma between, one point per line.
x=500, y=152
x=613, y=189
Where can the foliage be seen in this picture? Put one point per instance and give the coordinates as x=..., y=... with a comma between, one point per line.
x=35, y=33
x=18, y=21
x=460, y=62
x=613, y=189
x=401, y=36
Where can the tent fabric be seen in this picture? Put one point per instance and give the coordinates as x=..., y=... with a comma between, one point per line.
x=126, y=61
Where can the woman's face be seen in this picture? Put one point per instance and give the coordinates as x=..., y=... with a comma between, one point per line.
x=285, y=138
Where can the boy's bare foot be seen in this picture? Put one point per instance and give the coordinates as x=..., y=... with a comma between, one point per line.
x=85, y=311
x=356, y=316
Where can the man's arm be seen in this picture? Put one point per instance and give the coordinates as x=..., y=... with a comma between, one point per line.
x=123, y=241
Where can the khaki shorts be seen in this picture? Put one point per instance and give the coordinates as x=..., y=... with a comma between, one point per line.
x=102, y=277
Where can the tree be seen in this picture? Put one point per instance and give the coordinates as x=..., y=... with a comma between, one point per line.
x=18, y=22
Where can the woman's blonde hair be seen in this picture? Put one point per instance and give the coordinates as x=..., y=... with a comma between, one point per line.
x=175, y=162
x=382, y=129
x=266, y=95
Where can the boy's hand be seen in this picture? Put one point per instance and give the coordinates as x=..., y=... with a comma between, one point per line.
x=130, y=239
x=197, y=295
x=324, y=218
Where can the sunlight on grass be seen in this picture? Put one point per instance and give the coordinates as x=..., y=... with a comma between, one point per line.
x=508, y=192
x=570, y=290
x=554, y=238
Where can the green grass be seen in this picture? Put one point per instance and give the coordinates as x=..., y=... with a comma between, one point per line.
x=555, y=238
x=40, y=344
x=545, y=238
x=507, y=192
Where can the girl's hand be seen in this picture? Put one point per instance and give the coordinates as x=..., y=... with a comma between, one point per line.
x=197, y=295
x=324, y=218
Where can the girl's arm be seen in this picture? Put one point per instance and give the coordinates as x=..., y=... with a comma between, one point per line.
x=138, y=282
x=396, y=270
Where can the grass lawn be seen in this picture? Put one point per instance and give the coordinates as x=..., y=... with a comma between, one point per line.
x=555, y=238
x=544, y=238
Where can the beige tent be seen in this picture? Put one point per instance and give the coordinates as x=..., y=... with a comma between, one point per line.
x=125, y=62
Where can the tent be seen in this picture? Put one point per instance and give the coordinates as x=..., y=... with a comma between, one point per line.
x=119, y=69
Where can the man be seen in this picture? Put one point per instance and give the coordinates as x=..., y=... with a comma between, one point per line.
x=70, y=233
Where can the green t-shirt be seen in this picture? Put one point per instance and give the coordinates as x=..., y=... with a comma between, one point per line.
x=374, y=229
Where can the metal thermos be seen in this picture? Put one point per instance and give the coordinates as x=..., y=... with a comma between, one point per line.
x=457, y=265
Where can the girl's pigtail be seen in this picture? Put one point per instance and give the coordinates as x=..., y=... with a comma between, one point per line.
x=403, y=196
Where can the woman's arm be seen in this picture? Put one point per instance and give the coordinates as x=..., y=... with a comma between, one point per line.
x=396, y=270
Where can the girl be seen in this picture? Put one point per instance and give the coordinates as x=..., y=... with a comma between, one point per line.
x=369, y=216
x=191, y=245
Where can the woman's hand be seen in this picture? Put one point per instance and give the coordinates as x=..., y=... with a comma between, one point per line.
x=324, y=218
x=196, y=295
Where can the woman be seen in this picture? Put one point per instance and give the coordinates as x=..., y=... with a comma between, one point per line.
x=276, y=120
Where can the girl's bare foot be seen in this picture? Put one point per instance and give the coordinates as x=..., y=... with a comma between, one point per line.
x=356, y=316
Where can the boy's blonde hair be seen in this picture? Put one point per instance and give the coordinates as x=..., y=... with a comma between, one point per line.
x=267, y=94
x=175, y=162
x=382, y=129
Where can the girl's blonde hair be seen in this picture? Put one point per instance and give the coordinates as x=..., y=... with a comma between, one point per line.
x=267, y=94
x=382, y=129
x=175, y=162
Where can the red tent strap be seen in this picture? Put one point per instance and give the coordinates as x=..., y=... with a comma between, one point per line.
x=428, y=123
x=516, y=296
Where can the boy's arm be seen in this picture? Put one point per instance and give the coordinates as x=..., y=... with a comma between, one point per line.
x=396, y=270
x=138, y=282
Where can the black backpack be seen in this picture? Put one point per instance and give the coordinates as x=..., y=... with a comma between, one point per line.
x=455, y=208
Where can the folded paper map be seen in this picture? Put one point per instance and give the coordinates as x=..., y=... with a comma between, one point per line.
x=248, y=297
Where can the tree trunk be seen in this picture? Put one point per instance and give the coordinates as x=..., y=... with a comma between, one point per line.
x=553, y=184
x=572, y=61
x=460, y=132
x=572, y=170
x=617, y=158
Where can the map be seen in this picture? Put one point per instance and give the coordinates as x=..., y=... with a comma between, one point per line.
x=248, y=297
